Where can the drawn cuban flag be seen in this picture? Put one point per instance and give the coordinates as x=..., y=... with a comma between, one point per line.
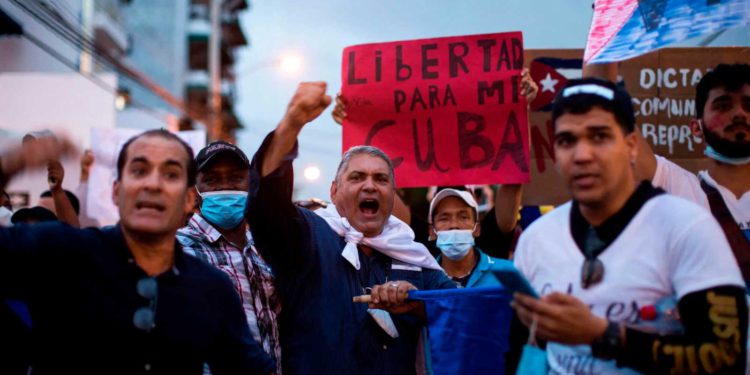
x=622, y=29
x=551, y=74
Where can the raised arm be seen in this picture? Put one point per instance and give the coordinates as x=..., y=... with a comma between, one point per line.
x=277, y=226
x=508, y=197
x=307, y=104
x=63, y=206
x=36, y=154
x=87, y=160
x=507, y=204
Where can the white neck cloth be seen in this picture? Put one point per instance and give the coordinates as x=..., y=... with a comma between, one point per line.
x=396, y=241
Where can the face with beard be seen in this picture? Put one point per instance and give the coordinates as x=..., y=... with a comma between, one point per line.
x=726, y=121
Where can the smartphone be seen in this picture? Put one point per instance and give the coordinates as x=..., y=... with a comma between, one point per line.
x=514, y=281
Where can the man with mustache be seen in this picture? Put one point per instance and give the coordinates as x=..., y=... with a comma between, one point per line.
x=322, y=259
x=132, y=299
x=722, y=105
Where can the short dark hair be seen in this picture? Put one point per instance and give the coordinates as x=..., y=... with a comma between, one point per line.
x=729, y=76
x=71, y=197
x=577, y=102
x=191, y=165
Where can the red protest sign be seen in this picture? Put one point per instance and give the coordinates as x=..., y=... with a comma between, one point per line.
x=446, y=110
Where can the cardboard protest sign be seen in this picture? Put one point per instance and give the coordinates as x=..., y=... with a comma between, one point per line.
x=446, y=110
x=106, y=144
x=623, y=29
x=662, y=84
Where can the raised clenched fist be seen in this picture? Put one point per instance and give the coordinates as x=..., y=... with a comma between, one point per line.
x=307, y=104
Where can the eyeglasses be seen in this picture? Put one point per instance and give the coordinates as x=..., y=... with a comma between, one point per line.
x=592, y=271
x=145, y=317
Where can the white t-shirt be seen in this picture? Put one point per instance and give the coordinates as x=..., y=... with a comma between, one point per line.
x=670, y=247
x=682, y=183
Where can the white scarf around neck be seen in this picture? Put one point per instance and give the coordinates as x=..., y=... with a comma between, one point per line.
x=396, y=241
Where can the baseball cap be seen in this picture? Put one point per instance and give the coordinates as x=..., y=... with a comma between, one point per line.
x=36, y=213
x=213, y=149
x=463, y=195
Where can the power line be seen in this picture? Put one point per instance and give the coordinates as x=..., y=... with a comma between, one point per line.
x=74, y=18
x=72, y=65
x=72, y=35
x=65, y=32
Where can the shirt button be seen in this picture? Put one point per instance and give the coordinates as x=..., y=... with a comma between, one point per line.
x=147, y=367
x=131, y=260
x=385, y=347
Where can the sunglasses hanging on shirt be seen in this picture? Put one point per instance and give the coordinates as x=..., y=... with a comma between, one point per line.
x=592, y=271
x=145, y=317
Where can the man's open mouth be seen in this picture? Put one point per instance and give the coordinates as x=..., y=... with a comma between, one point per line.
x=149, y=205
x=369, y=206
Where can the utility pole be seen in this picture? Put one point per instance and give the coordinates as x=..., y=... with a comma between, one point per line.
x=87, y=20
x=214, y=68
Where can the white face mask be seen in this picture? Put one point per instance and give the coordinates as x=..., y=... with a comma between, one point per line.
x=455, y=243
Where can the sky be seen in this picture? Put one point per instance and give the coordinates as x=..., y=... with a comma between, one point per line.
x=317, y=32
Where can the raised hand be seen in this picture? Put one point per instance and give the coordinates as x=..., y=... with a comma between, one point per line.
x=528, y=87
x=306, y=105
x=339, y=111
x=87, y=160
x=55, y=175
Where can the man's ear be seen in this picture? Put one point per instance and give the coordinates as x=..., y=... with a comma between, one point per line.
x=477, y=229
x=115, y=192
x=334, y=189
x=696, y=128
x=191, y=198
x=198, y=199
x=431, y=234
x=632, y=141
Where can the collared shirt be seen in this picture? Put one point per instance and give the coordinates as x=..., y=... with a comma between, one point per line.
x=481, y=274
x=251, y=276
x=322, y=331
x=81, y=289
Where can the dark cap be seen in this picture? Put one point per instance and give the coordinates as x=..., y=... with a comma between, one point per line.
x=35, y=214
x=209, y=152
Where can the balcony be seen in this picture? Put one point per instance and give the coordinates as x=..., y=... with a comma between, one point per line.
x=199, y=27
x=199, y=80
x=109, y=31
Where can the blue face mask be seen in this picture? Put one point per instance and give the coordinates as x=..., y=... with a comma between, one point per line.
x=533, y=361
x=225, y=208
x=713, y=154
x=455, y=243
x=533, y=358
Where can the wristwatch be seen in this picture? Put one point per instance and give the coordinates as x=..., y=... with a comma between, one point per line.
x=607, y=345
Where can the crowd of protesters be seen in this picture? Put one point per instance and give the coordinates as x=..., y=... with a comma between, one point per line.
x=213, y=268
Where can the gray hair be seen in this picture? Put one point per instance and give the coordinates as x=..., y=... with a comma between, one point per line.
x=358, y=150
